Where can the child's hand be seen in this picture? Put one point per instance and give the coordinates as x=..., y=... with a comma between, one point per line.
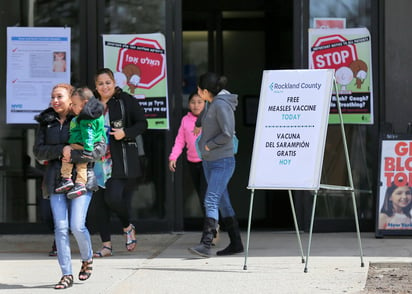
x=67, y=153
x=197, y=130
x=172, y=165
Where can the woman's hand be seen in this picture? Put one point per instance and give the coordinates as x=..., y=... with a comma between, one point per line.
x=118, y=134
x=172, y=165
x=207, y=148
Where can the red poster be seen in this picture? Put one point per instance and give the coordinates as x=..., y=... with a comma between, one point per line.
x=329, y=23
x=394, y=205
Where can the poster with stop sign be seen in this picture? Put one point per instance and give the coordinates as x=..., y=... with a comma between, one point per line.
x=139, y=66
x=348, y=52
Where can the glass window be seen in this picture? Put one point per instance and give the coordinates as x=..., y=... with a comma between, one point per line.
x=134, y=16
x=62, y=13
x=195, y=60
x=357, y=13
x=20, y=175
x=143, y=17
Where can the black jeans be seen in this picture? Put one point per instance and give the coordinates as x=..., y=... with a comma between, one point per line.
x=199, y=182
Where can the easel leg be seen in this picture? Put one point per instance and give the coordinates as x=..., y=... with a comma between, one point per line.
x=248, y=228
x=296, y=225
x=348, y=166
x=310, y=230
x=357, y=228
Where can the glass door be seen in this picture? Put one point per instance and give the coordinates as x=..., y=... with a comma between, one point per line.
x=20, y=175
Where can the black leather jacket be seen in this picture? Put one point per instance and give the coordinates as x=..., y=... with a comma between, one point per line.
x=51, y=137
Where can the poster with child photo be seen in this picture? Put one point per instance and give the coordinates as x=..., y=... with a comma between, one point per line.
x=394, y=203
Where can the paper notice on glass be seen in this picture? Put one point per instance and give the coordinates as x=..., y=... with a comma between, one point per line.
x=37, y=59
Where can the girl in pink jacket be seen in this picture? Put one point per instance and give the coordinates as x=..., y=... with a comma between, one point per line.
x=186, y=137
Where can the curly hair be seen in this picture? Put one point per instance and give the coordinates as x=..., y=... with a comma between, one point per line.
x=68, y=87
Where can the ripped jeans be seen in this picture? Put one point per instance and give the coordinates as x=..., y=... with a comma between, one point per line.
x=71, y=215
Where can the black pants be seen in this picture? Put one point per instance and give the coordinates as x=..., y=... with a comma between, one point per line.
x=199, y=182
x=114, y=199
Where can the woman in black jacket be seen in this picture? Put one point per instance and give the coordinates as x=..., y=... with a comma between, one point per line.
x=125, y=120
x=51, y=145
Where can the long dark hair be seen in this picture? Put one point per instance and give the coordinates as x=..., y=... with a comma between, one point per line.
x=387, y=206
x=212, y=82
x=104, y=70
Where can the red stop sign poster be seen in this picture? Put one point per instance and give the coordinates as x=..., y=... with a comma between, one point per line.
x=348, y=53
x=139, y=66
x=145, y=59
x=333, y=51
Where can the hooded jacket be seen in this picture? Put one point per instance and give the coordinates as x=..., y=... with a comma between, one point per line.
x=218, y=127
x=51, y=137
x=88, y=127
x=186, y=138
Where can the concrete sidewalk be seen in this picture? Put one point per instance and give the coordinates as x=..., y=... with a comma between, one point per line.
x=162, y=264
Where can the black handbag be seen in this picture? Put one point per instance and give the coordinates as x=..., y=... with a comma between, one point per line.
x=131, y=148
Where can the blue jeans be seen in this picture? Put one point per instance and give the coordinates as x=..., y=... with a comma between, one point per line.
x=218, y=174
x=71, y=214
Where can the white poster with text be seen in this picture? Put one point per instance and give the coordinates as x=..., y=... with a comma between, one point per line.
x=37, y=59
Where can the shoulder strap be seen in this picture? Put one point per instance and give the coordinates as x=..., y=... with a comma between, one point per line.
x=124, y=118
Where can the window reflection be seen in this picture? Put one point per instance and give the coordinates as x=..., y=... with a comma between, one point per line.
x=356, y=12
x=134, y=16
x=60, y=13
x=143, y=17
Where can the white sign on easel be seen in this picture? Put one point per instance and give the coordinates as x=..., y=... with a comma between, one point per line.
x=291, y=129
x=290, y=139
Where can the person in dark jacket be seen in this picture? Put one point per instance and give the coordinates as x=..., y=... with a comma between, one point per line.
x=51, y=144
x=217, y=151
x=125, y=120
x=86, y=129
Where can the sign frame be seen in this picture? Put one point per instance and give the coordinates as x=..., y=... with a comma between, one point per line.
x=330, y=187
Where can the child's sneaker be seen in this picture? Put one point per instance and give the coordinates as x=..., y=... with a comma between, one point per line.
x=64, y=186
x=79, y=189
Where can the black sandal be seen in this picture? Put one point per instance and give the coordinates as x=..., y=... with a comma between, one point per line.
x=64, y=283
x=105, y=251
x=86, y=270
x=129, y=238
